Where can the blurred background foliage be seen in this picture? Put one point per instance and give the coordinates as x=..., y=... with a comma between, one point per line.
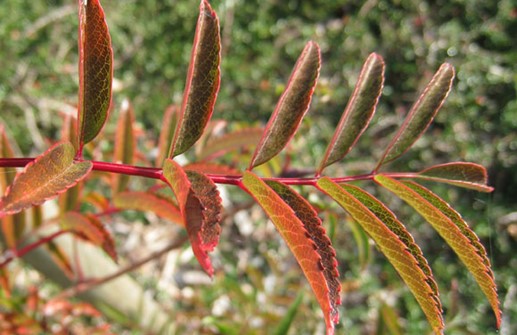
x=261, y=41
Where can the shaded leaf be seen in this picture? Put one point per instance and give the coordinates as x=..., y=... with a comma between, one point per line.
x=211, y=168
x=363, y=243
x=61, y=258
x=394, y=241
x=203, y=79
x=142, y=201
x=388, y=322
x=125, y=144
x=69, y=200
x=192, y=210
x=468, y=175
x=454, y=230
x=91, y=229
x=291, y=107
x=95, y=70
x=170, y=120
x=304, y=244
x=287, y=320
x=48, y=175
x=358, y=112
x=421, y=114
x=240, y=139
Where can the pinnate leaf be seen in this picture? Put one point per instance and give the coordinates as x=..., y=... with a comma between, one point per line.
x=307, y=245
x=394, y=241
x=421, y=114
x=95, y=70
x=48, y=175
x=202, y=84
x=243, y=138
x=142, y=201
x=291, y=107
x=358, y=112
x=468, y=175
x=200, y=207
x=125, y=144
x=454, y=230
x=91, y=229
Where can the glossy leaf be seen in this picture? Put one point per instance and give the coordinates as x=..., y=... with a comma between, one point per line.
x=291, y=107
x=91, y=229
x=454, y=230
x=142, y=201
x=312, y=223
x=240, y=139
x=394, y=241
x=95, y=70
x=298, y=238
x=193, y=211
x=358, y=112
x=170, y=120
x=203, y=79
x=125, y=144
x=48, y=175
x=468, y=175
x=421, y=114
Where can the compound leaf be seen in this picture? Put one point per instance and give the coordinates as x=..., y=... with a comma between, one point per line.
x=394, y=241
x=463, y=174
x=243, y=138
x=47, y=176
x=170, y=120
x=142, y=201
x=125, y=144
x=358, y=112
x=291, y=107
x=307, y=245
x=202, y=84
x=454, y=230
x=421, y=114
x=95, y=70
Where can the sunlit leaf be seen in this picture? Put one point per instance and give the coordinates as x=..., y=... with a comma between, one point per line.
x=91, y=229
x=48, y=175
x=170, y=120
x=95, y=70
x=421, y=114
x=358, y=112
x=142, y=201
x=454, y=230
x=468, y=175
x=202, y=84
x=298, y=238
x=192, y=211
x=240, y=139
x=394, y=241
x=291, y=107
x=125, y=144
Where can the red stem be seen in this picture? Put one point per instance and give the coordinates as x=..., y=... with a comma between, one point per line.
x=156, y=173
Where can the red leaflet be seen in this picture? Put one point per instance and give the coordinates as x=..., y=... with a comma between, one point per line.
x=308, y=245
x=454, y=230
x=291, y=107
x=47, y=176
x=421, y=114
x=202, y=84
x=201, y=212
x=358, y=112
x=95, y=71
x=468, y=175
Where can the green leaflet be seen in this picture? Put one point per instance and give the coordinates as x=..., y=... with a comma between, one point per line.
x=462, y=174
x=454, y=230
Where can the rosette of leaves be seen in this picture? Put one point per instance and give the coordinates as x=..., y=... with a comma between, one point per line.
x=197, y=205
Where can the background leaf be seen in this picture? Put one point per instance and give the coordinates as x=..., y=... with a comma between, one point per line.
x=69, y=200
x=291, y=107
x=468, y=175
x=169, y=122
x=203, y=79
x=302, y=244
x=394, y=241
x=240, y=139
x=95, y=70
x=143, y=201
x=454, y=230
x=421, y=114
x=48, y=175
x=358, y=112
x=125, y=144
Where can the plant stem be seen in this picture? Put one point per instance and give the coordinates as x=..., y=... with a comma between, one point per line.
x=156, y=173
